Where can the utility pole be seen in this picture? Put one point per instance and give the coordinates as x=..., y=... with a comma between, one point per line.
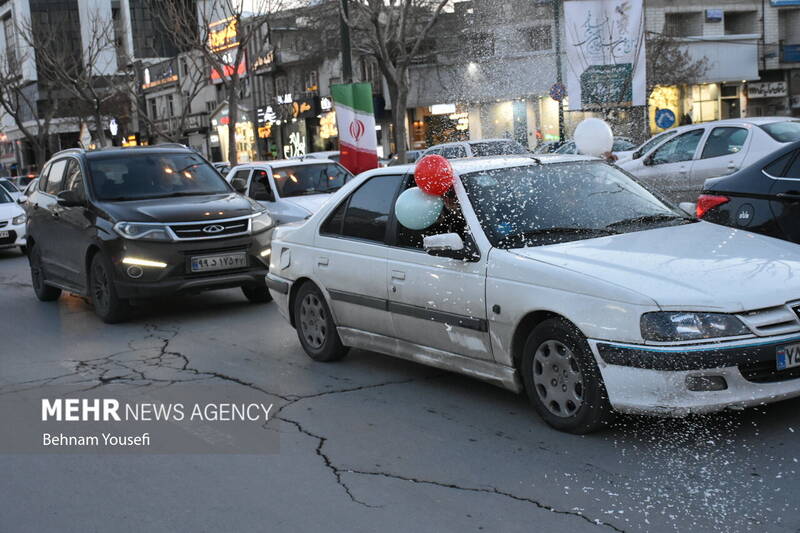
x=347, y=60
x=559, y=81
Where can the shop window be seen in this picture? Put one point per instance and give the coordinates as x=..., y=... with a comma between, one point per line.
x=740, y=22
x=683, y=24
x=539, y=37
x=705, y=102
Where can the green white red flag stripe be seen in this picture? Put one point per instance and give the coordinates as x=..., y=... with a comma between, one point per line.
x=355, y=120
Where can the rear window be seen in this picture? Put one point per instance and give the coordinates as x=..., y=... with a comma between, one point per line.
x=303, y=180
x=157, y=175
x=784, y=132
x=483, y=149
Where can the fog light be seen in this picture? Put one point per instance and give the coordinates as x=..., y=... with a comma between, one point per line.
x=706, y=383
x=143, y=262
x=135, y=272
x=265, y=252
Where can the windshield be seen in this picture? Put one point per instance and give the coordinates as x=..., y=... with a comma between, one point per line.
x=301, y=180
x=785, y=131
x=483, y=149
x=4, y=197
x=8, y=186
x=156, y=175
x=652, y=142
x=545, y=204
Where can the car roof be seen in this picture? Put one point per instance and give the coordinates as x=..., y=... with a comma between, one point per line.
x=280, y=163
x=475, y=164
x=122, y=151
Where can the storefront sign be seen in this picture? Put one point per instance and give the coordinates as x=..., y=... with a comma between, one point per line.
x=263, y=63
x=290, y=107
x=325, y=104
x=442, y=109
x=767, y=89
x=265, y=131
x=159, y=75
x=327, y=125
x=605, y=53
x=790, y=53
x=265, y=115
x=296, y=146
x=779, y=3
x=223, y=35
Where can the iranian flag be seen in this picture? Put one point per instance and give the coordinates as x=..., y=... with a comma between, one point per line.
x=355, y=121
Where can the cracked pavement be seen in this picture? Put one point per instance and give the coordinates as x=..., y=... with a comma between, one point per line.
x=368, y=443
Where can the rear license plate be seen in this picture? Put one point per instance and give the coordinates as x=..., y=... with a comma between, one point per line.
x=4, y=235
x=208, y=263
x=788, y=357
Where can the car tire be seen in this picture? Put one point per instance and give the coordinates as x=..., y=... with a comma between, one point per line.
x=107, y=304
x=562, y=379
x=23, y=250
x=44, y=292
x=257, y=293
x=315, y=327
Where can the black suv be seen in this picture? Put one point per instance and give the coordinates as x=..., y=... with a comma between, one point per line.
x=127, y=223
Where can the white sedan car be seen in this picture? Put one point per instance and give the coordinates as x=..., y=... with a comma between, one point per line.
x=684, y=157
x=559, y=276
x=290, y=189
x=12, y=222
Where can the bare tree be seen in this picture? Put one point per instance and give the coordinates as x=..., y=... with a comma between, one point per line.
x=31, y=106
x=89, y=76
x=221, y=31
x=393, y=31
x=669, y=62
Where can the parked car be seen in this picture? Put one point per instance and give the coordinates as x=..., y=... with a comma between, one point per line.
x=482, y=148
x=411, y=157
x=559, y=276
x=547, y=147
x=23, y=199
x=679, y=166
x=763, y=197
x=290, y=189
x=621, y=146
x=12, y=223
x=22, y=181
x=123, y=224
x=645, y=147
x=328, y=155
x=8, y=186
x=223, y=167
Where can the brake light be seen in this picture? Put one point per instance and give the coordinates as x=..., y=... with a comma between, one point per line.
x=707, y=202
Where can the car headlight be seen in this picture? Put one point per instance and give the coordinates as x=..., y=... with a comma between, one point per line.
x=19, y=219
x=261, y=222
x=143, y=231
x=686, y=326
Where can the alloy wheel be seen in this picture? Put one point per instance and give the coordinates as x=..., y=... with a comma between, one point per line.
x=100, y=288
x=557, y=378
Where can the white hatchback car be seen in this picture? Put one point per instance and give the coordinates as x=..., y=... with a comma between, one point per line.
x=12, y=222
x=556, y=275
x=290, y=189
x=686, y=156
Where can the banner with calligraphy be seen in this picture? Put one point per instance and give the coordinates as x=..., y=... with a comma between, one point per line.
x=605, y=53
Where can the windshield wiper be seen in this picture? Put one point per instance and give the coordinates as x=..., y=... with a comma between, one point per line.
x=648, y=219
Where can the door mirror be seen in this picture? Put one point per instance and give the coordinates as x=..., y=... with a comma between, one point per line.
x=451, y=245
x=22, y=199
x=239, y=185
x=70, y=198
x=648, y=161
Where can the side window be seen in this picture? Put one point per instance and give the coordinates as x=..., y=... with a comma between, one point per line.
x=369, y=207
x=260, y=187
x=454, y=152
x=724, y=141
x=450, y=221
x=777, y=168
x=55, y=176
x=794, y=169
x=74, y=179
x=681, y=148
x=42, y=184
x=333, y=225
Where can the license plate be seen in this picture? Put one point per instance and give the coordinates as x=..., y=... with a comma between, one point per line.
x=207, y=263
x=4, y=234
x=788, y=356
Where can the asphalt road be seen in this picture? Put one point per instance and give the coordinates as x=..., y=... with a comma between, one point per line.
x=366, y=444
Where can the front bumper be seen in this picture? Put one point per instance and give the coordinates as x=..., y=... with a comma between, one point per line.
x=16, y=236
x=654, y=379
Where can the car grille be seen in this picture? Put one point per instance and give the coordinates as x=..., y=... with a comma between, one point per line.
x=212, y=229
x=779, y=320
x=12, y=236
x=766, y=372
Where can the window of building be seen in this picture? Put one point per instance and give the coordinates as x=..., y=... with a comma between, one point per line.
x=10, y=41
x=705, y=102
x=539, y=37
x=480, y=45
x=281, y=85
x=153, y=106
x=311, y=81
x=683, y=24
x=740, y=22
x=170, y=105
x=789, y=26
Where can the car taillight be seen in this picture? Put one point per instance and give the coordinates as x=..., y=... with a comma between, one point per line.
x=707, y=202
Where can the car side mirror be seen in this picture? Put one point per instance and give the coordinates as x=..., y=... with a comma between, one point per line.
x=70, y=198
x=452, y=246
x=22, y=199
x=648, y=161
x=239, y=185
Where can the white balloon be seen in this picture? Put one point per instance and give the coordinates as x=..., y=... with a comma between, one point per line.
x=593, y=137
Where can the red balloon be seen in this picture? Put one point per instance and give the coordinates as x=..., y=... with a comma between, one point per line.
x=434, y=175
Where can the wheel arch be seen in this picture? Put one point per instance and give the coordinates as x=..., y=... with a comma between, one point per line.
x=295, y=288
x=523, y=329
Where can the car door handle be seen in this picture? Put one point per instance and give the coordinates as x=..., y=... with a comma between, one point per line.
x=322, y=261
x=396, y=274
x=790, y=195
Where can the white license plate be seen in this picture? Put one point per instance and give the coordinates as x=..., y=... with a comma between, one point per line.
x=207, y=263
x=788, y=356
x=4, y=234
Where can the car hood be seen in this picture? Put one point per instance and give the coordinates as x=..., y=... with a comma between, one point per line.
x=9, y=210
x=311, y=203
x=700, y=266
x=182, y=209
